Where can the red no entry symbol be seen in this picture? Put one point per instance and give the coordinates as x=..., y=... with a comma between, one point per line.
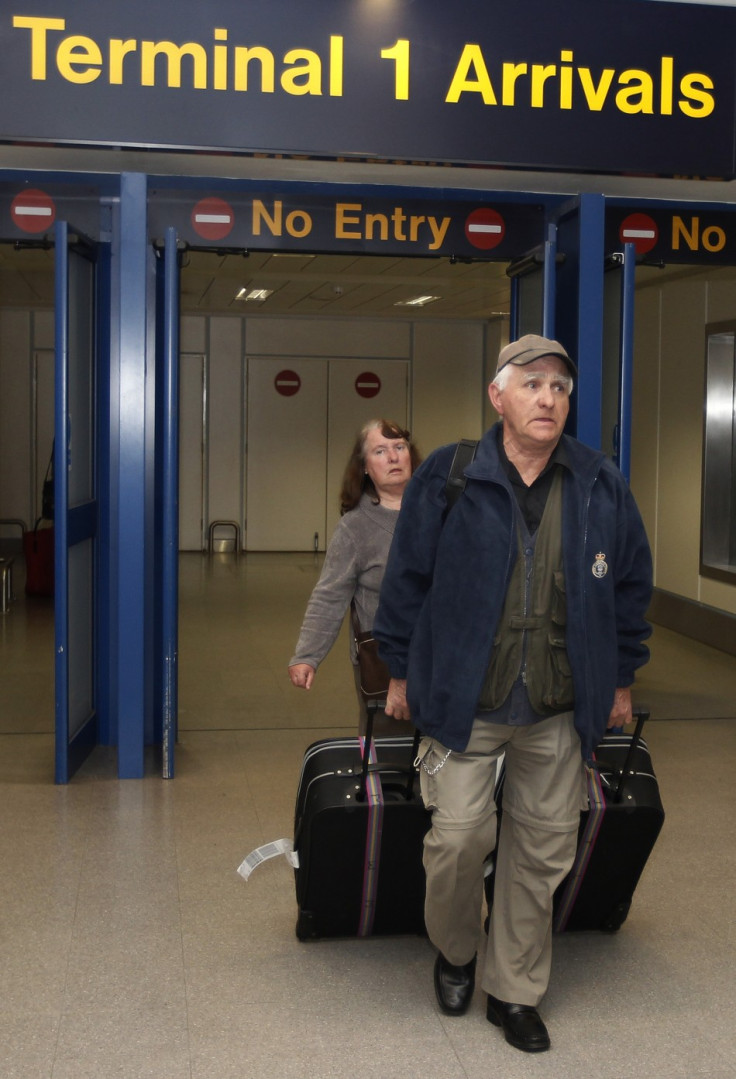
x=213, y=218
x=33, y=211
x=485, y=229
x=641, y=231
x=367, y=384
x=287, y=383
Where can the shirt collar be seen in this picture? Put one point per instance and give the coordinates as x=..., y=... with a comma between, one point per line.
x=559, y=456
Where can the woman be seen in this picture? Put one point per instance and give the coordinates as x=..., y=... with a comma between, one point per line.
x=376, y=476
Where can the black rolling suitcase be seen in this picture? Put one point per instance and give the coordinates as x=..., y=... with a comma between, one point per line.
x=615, y=839
x=358, y=831
x=616, y=836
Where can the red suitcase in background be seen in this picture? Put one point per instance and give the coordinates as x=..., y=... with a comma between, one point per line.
x=38, y=549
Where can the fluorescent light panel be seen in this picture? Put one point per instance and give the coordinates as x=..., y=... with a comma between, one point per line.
x=417, y=301
x=257, y=295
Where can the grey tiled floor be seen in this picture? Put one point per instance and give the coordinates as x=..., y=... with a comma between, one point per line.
x=130, y=947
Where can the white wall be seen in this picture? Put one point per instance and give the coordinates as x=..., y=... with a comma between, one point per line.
x=225, y=446
x=447, y=382
x=667, y=419
x=447, y=389
x=354, y=337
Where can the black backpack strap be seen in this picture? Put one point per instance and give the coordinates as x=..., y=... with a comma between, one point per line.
x=464, y=455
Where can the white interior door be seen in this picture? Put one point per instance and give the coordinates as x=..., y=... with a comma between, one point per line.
x=359, y=391
x=286, y=436
x=192, y=400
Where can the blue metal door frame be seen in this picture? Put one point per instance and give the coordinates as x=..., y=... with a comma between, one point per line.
x=75, y=515
x=626, y=360
x=579, y=307
x=543, y=268
x=132, y=476
x=168, y=547
x=125, y=579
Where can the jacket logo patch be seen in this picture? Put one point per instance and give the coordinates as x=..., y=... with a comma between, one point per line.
x=600, y=566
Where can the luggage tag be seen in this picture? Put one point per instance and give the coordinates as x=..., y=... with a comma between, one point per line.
x=267, y=851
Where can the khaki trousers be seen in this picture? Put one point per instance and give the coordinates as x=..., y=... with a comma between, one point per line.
x=543, y=795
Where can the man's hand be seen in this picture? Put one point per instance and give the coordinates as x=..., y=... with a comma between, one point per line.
x=396, y=705
x=621, y=712
x=301, y=675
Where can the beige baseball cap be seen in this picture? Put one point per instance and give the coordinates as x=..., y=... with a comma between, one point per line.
x=532, y=347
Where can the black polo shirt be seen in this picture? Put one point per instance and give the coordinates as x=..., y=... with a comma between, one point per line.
x=532, y=499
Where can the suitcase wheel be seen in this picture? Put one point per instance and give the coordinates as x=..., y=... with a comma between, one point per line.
x=305, y=926
x=616, y=918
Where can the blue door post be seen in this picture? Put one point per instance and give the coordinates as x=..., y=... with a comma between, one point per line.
x=590, y=319
x=131, y=547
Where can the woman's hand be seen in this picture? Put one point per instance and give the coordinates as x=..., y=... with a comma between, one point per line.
x=301, y=675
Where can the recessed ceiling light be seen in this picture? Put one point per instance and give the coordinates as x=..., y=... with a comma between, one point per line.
x=417, y=301
x=257, y=295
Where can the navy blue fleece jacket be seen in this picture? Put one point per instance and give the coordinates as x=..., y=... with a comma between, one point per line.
x=446, y=580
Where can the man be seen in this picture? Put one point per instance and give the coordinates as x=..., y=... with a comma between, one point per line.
x=512, y=624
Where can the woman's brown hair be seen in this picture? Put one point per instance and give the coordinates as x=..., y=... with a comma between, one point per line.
x=356, y=481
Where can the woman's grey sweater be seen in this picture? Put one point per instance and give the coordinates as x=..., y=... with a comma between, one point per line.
x=354, y=566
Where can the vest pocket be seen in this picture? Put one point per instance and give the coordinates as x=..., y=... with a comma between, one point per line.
x=558, y=686
x=558, y=600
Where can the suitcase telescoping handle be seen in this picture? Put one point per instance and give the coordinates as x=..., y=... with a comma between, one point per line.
x=641, y=715
x=373, y=707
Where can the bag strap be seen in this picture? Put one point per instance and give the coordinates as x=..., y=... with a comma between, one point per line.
x=50, y=469
x=354, y=619
x=359, y=634
x=464, y=456
x=369, y=766
x=373, y=795
x=586, y=843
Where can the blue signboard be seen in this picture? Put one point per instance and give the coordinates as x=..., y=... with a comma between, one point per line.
x=674, y=235
x=349, y=223
x=29, y=211
x=620, y=86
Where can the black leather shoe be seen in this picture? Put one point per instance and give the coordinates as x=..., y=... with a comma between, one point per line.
x=521, y=1025
x=453, y=985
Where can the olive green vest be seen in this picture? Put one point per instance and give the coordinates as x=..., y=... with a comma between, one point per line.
x=530, y=637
